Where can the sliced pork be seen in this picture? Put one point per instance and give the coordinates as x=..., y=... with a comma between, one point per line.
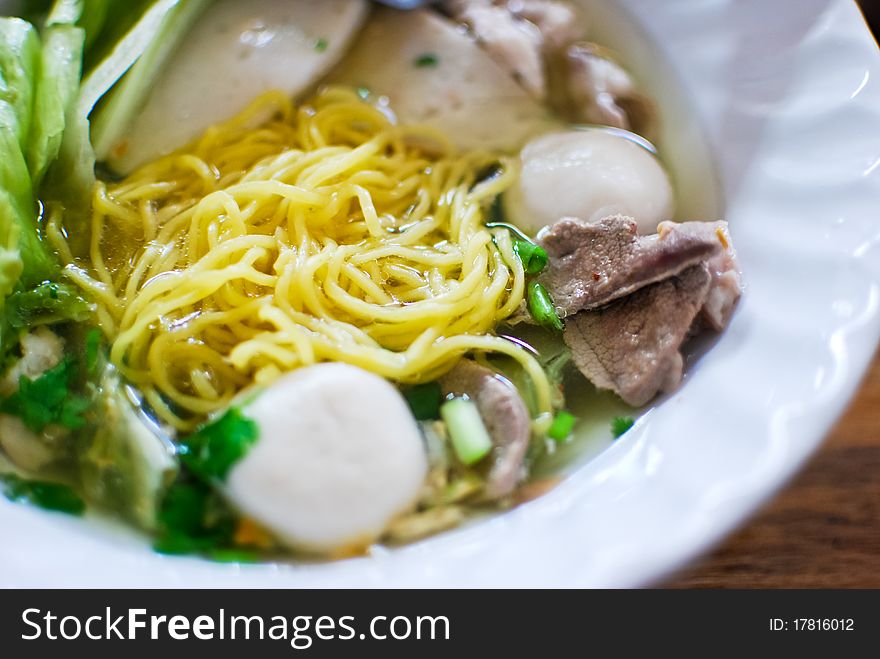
x=505, y=416
x=633, y=346
x=726, y=287
x=592, y=264
x=597, y=90
x=515, y=45
x=558, y=23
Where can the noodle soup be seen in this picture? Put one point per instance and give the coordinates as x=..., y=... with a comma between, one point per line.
x=368, y=297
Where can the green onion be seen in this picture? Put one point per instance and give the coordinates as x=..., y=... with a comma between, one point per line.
x=621, y=424
x=563, y=424
x=426, y=60
x=541, y=307
x=533, y=257
x=321, y=44
x=363, y=92
x=424, y=400
x=51, y=496
x=470, y=439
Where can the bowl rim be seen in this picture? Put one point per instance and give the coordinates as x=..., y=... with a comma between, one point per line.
x=691, y=470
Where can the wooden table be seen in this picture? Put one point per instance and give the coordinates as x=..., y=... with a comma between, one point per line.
x=822, y=531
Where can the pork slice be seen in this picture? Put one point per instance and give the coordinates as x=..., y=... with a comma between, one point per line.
x=506, y=418
x=558, y=22
x=597, y=90
x=633, y=346
x=514, y=44
x=726, y=287
x=592, y=264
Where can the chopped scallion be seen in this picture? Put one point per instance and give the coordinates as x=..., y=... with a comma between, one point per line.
x=563, y=424
x=541, y=307
x=470, y=439
x=533, y=257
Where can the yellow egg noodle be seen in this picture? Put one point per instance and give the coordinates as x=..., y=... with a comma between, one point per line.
x=292, y=235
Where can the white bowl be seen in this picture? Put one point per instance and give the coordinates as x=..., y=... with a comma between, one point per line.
x=785, y=97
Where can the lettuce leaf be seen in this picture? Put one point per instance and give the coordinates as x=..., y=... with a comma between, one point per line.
x=38, y=82
x=19, y=61
x=21, y=254
x=72, y=176
x=113, y=115
x=50, y=302
x=57, y=85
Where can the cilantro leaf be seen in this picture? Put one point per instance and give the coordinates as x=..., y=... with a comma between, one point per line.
x=424, y=400
x=48, y=400
x=51, y=496
x=211, y=451
x=193, y=519
x=621, y=424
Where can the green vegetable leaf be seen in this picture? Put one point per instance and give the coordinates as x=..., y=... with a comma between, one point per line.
x=93, y=18
x=48, y=400
x=93, y=349
x=22, y=255
x=56, y=90
x=193, y=519
x=38, y=84
x=211, y=451
x=533, y=257
x=320, y=44
x=112, y=117
x=19, y=64
x=51, y=496
x=621, y=424
x=563, y=424
x=424, y=400
x=49, y=302
x=126, y=31
x=183, y=508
